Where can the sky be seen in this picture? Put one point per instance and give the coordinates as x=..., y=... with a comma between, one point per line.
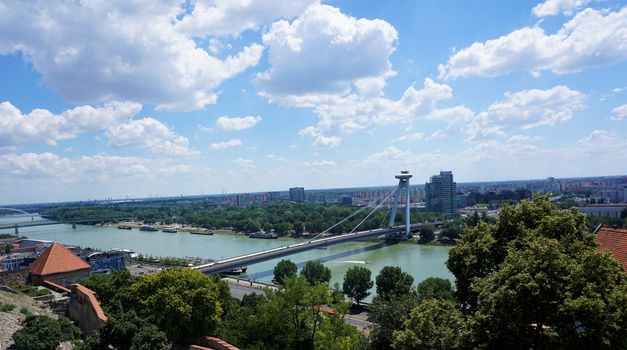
x=138, y=98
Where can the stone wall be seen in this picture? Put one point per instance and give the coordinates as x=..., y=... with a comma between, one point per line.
x=65, y=279
x=85, y=310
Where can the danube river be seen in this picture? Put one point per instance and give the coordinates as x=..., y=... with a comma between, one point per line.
x=419, y=260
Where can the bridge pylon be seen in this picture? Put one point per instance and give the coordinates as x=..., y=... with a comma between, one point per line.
x=403, y=186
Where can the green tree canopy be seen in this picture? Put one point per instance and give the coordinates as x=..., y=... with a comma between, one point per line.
x=283, y=270
x=183, y=303
x=432, y=325
x=535, y=280
x=393, y=281
x=357, y=282
x=41, y=332
x=435, y=288
x=314, y=272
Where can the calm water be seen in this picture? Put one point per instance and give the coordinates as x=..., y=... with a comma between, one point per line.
x=418, y=260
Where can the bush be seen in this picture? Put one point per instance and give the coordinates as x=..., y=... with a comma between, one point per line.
x=44, y=333
x=7, y=307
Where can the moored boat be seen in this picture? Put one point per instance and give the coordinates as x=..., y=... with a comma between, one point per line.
x=148, y=228
x=125, y=227
x=264, y=235
x=170, y=229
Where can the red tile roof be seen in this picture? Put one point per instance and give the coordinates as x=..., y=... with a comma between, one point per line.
x=57, y=259
x=613, y=240
x=91, y=295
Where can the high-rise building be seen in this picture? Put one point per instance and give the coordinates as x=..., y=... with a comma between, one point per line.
x=243, y=201
x=440, y=193
x=297, y=194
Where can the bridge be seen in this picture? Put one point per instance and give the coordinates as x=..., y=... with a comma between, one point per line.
x=45, y=222
x=393, y=233
x=254, y=258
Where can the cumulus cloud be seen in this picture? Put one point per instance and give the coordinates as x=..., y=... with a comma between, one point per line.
x=225, y=144
x=319, y=138
x=323, y=52
x=149, y=133
x=245, y=163
x=51, y=165
x=104, y=50
x=41, y=125
x=237, y=123
x=619, y=113
x=526, y=109
x=591, y=38
x=555, y=7
x=318, y=163
x=229, y=17
x=416, y=136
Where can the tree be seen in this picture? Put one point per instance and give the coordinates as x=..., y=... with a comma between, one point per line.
x=357, y=282
x=40, y=332
x=126, y=331
x=7, y=248
x=184, y=303
x=535, y=280
x=427, y=233
x=283, y=270
x=387, y=316
x=111, y=289
x=623, y=213
x=393, y=281
x=435, y=288
x=314, y=272
x=433, y=324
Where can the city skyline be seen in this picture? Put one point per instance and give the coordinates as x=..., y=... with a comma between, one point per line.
x=193, y=98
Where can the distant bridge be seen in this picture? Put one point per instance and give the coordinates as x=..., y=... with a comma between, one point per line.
x=254, y=258
x=45, y=222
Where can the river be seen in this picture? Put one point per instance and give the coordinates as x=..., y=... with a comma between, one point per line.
x=421, y=261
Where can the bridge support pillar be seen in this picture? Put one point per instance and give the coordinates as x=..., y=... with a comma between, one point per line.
x=17, y=231
x=403, y=186
x=74, y=226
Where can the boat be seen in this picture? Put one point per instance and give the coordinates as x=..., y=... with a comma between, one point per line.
x=201, y=232
x=264, y=235
x=148, y=228
x=170, y=229
x=236, y=271
x=125, y=227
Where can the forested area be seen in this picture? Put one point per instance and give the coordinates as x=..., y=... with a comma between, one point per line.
x=282, y=217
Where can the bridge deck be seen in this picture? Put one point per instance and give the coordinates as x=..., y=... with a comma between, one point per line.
x=257, y=257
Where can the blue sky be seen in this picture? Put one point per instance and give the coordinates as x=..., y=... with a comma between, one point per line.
x=116, y=98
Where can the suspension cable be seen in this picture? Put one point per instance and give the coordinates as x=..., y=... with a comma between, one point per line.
x=346, y=218
x=372, y=212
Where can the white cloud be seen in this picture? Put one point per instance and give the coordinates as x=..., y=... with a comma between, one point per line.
x=555, y=7
x=231, y=17
x=50, y=165
x=105, y=50
x=325, y=52
x=245, y=163
x=237, y=123
x=417, y=136
x=591, y=38
x=436, y=135
x=328, y=141
x=41, y=125
x=604, y=141
x=319, y=163
x=149, y=133
x=526, y=109
x=225, y=144
x=619, y=113
x=319, y=138
x=390, y=154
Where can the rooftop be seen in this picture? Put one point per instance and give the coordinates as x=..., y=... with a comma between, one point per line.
x=57, y=259
x=613, y=240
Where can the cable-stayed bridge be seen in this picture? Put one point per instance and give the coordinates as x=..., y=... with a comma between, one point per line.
x=391, y=232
